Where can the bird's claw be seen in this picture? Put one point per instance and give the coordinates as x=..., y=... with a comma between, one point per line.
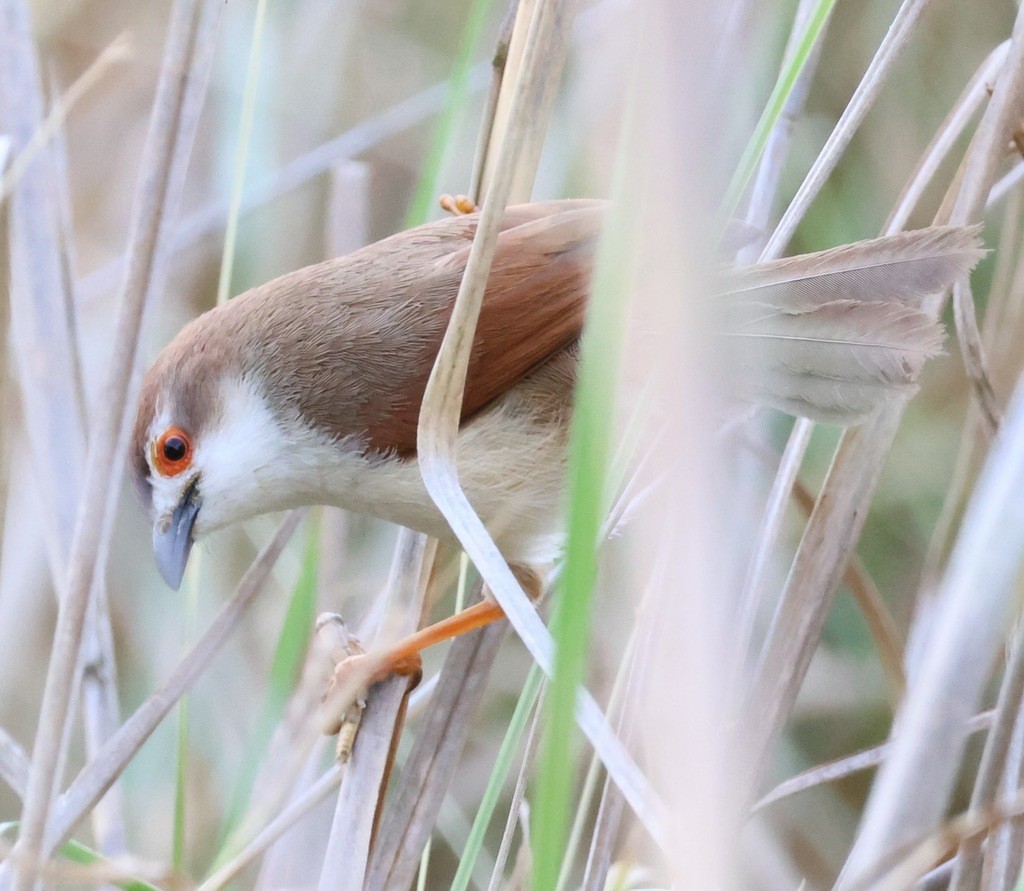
x=458, y=205
x=344, y=699
x=355, y=670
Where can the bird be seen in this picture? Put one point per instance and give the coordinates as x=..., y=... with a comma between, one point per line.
x=306, y=390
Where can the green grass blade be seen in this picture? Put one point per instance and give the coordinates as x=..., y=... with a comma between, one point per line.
x=590, y=453
x=773, y=108
x=499, y=773
x=428, y=186
x=242, y=154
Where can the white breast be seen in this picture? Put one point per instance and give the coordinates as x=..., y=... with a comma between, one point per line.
x=511, y=465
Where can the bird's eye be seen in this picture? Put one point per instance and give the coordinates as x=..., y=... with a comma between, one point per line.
x=172, y=452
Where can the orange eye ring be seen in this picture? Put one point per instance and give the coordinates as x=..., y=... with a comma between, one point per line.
x=172, y=452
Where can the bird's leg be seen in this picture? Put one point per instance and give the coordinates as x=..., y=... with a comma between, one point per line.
x=457, y=205
x=403, y=658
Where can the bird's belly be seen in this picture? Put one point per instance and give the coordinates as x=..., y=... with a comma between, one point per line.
x=511, y=460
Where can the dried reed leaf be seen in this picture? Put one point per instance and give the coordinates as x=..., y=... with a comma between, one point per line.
x=439, y=418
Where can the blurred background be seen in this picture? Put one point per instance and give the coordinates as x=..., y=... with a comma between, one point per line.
x=362, y=110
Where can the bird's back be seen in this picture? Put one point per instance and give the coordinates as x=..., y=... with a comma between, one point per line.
x=349, y=344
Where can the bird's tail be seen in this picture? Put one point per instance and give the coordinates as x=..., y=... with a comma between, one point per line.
x=832, y=335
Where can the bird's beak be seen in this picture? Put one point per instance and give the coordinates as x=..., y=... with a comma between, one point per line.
x=172, y=537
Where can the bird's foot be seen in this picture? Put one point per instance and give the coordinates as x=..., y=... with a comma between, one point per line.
x=355, y=670
x=458, y=205
x=342, y=703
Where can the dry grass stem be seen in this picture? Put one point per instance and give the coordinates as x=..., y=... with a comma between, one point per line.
x=515, y=807
x=490, y=111
x=13, y=763
x=824, y=550
x=901, y=866
x=880, y=621
x=164, y=149
x=978, y=580
x=277, y=827
x=42, y=323
x=766, y=181
x=993, y=767
x=951, y=129
x=543, y=55
x=1005, y=848
x=116, y=52
x=849, y=765
x=433, y=761
x=359, y=802
x=90, y=785
x=973, y=353
x=896, y=39
x=753, y=594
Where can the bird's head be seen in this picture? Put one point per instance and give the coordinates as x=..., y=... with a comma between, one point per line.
x=207, y=451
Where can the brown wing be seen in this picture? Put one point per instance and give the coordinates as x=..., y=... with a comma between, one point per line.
x=349, y=344
x=534, y=306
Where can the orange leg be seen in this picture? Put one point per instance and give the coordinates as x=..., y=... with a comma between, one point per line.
x=404, y=657
x=359, y=669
